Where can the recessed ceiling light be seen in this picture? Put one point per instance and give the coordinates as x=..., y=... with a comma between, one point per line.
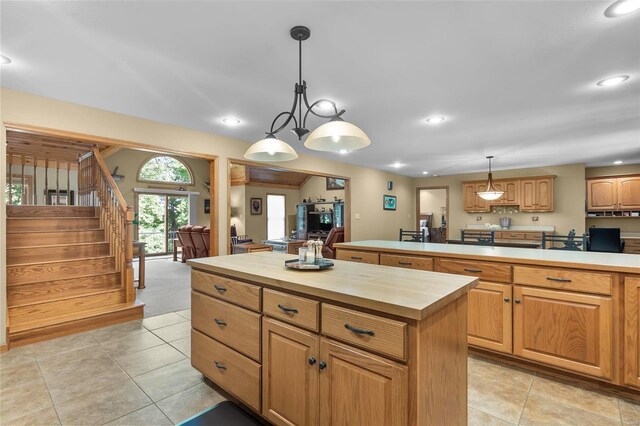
x=621, y=8
x=617, y=162
x=230, y=121
x=343, y=151
x=425, y=173
x=4, y=60
x=435, y=119
x=397, y=165
x=613, y=81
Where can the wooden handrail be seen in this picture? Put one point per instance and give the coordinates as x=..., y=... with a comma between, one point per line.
x=109, y=179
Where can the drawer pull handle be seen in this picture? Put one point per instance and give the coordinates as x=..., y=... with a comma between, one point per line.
x=359, y=330
x=287, y=310
x=220, y=365
x=356, y=257
x=219, y=322
x=322, y=365
x=312, y=361
x=472, y=270
x=219, y=288
x=405, y=263
x=560, y=280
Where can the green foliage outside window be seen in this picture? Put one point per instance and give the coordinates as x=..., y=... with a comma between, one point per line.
x=165, y=169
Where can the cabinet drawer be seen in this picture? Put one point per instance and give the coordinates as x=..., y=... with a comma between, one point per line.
x=506, y=235
x=372, y=332
x=234, y=326
x=487, y=271
x=238, y=292
x=563, y=279
x=358, y=256
x=533, y=236
x=632, y=242
x=293, y=309
x=230, y=370
x=411, y=262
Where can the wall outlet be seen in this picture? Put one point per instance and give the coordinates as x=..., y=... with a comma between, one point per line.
x=357, y=216
x=534, y=218
x=478, y=218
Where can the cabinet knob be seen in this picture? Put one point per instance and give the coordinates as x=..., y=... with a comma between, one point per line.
x=517, y=301
x=312, y=361
x=506, y=299
x=322, y=365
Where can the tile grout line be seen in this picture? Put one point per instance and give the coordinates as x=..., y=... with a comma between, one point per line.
x=535, y=375
x=53, y=404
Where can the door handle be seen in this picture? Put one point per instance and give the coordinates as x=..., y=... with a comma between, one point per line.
x=219, y=322
x=356, y=257
x=405, y=263
x=287, y=310
x=560, y=280
x=359, y=330
x=473, y=270
x=219, y=365
x=219, y=288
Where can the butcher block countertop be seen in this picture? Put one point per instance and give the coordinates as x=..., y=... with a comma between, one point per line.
x=403, y=292
x=613, y=262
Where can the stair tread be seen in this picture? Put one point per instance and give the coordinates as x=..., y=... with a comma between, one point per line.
x=49, y=231
x=27, y=218
x=86, y=243
x=78, y=259
x=74, y=296
x=17, y=326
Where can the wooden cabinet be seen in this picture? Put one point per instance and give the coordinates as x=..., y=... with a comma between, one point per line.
x=511, y=190
x=358, y=256
x=567, y=330
x=613, y=193
x=357, y=388
x=289, y=374
x=489, y=316
x=632, y=331
x=536, y=194
x=471, y=201
x=632, y=245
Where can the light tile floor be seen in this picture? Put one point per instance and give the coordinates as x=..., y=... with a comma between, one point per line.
x=139, y=373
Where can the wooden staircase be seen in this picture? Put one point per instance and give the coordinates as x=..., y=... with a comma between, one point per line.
x=69, y=267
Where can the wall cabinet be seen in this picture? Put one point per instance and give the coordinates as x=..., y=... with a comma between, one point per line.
x=536, y=194
x=511, y=190
x=567, y=330
x=471, y=201
x=632, y=331
x=613, y=193
x=489, y=316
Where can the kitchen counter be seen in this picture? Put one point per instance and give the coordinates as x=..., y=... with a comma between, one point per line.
x=562, y=258
x=403, y=292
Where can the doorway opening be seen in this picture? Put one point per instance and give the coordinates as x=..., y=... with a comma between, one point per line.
x=432, y=212
x=159, y=217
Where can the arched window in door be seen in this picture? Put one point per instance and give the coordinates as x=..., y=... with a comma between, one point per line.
x=165, y=169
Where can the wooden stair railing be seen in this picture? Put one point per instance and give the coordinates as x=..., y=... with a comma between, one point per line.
x=97, y=187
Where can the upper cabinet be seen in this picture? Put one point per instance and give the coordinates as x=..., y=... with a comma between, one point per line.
x=613, y=193
x=534, y=194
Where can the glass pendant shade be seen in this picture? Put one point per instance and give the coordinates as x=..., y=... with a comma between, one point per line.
x=270, y=149
x=337, y=136
x=491, y=192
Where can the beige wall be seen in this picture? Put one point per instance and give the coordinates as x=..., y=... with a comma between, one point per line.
x=432, y=201
x=367, y=185
x=238, y=208
x=129, y=161
x=316, y=187
x=256, y=225
x=569, y=199
x=626, y=224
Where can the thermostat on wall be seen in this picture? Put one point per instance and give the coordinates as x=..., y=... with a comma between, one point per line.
x=389, y=185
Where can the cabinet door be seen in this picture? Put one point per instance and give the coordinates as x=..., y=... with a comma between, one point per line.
x=566, y=330
x=357, y=388
x=602, y=194
x=482, y=205
x=527, y=194
x=629, y=193
x=511, y=192
x=289, y=374
x=544, y=194
x=489, y=316
x=469, y=197
x=632, y=331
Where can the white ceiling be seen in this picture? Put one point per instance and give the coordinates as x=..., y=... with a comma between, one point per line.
x=516, y=79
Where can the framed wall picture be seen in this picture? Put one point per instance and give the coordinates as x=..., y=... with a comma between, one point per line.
x=207, y=206
x=60, y=198
x=256, y=206
x=389, y=202
x=335, y=183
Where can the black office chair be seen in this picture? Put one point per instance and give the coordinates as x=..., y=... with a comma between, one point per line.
x=413, y=236
x=568, y=242
x=605, y=240
x=478, y=238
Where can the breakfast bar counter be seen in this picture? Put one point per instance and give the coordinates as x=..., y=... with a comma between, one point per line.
x=569, y=313
x=355, y=344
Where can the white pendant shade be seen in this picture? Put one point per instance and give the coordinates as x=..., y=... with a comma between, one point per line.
x=490, y=195
x=337, y=136
x=270, y=149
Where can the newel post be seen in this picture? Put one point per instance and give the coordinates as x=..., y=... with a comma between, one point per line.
x=128, y=255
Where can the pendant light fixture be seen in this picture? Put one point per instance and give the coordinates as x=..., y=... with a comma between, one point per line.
x=335, y=136
x=490, y=193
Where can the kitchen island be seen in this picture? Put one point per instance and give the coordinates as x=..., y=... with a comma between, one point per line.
x=567, y=313
x=356, y=344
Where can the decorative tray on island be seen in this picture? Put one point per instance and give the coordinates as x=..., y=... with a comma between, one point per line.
x=296, y=264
